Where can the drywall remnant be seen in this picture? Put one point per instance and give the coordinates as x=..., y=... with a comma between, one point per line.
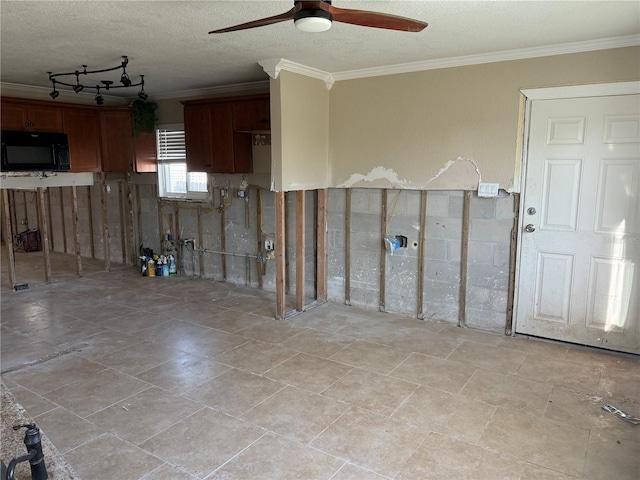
x=379, y=177
x=461, y=173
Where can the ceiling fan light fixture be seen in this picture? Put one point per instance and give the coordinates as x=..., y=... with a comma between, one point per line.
x=312, y=21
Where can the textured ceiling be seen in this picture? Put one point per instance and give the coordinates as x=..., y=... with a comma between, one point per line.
x=167, y=41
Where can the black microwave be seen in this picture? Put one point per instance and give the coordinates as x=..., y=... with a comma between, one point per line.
x=35, y=151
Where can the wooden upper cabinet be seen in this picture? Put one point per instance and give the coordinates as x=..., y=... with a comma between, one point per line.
x=146, y=152
x=31, y=116
x=251, y=115
x=197, y=131
x=82, y=125
x=117, y=139
x=217, y=132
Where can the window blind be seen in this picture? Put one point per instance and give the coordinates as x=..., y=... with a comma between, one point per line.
x=171, y=146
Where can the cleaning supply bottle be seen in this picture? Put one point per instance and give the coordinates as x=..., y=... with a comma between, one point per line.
x=173, y=270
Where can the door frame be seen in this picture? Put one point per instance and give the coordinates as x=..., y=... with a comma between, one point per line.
x=527, y=96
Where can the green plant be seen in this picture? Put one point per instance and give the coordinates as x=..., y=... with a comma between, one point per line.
x=144, y=116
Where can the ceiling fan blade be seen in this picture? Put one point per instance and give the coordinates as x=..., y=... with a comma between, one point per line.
x=376, y=20
x=262, y=22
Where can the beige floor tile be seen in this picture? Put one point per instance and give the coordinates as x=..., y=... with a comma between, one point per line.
x=602, y=358
x=136, y=321
x=536, y=346
x=169, y=472
x=55, y=373
x=497, y=359
x=330, y=319
x=609, y=457
x=318, y=342
x=585, y=411
x=145, y=414
x=535, y=472
x=231, y=321
x=242, y=303
x=68, y=333
x=221, y=435
x=469, y=334
x=351, y=472
x=15, y=358
x=85, y=397
x=104, y=314
x=270, y=331
x=621, y=382
x=308, y=372
x=510, y=391
x=66, y=430
x=255, y=356
x=371, y=356
x=427, y=343
x=371, y=331
x=138, y=358
x=275, y=458
x=434, y=372
x=371, y=441
x=234, y=392
x=110, y=458
x=31, y=402
x=372, y=391
x=553, y=445
x=185, y=371
x=560, y=372
x=103, y=343
x=458, y=417
x=441, y=457
x=296, y=414
x=191, y=338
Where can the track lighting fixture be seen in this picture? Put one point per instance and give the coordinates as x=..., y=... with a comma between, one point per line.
x=54, y=94
x=125, y=81
x=99, y=99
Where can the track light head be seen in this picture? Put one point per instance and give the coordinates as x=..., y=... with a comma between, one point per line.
x=142, y=96
x=125, y=80
x=78, y=88
x=99, y=100
x=54, y=94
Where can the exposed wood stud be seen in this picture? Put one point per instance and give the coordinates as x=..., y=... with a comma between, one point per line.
x=383, y=252
x=464, y=257
x=287, y=284
x=260, y=262
x=300, y=249
x=322, y=275
x=9, y=237
x=280, y=255
x=44, y=233
x=200, y=242
x=105, y=222
x=25, y=208
x=131, y=239
x=62, y=221
x=91, y=233
x=421, y=247
x=347, y=248
x=123, y=224
x=508, y=328
x=138, y=237
x=12, y=198
x=50, y=219
x=76, y=229
x=223, y=243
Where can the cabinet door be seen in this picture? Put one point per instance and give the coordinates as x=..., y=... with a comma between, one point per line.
x=117, y=141
x=82, y=125
x=251, y=115
x=146, y=152
x=15, y=116
x=43, y=118
x=222, y=138
x=197, y=131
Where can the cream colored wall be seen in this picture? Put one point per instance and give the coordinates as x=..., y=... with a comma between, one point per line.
x=301, y=147
x=449, y=128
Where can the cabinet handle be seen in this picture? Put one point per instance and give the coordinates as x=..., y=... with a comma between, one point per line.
x=26, y=124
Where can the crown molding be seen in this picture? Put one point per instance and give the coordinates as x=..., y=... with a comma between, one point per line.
x=219, y=91
x=273, y=66
x=517, y=54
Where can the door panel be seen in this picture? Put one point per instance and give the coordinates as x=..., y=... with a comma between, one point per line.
x=578, y=272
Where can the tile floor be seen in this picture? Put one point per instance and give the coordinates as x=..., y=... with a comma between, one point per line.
x=178, y=378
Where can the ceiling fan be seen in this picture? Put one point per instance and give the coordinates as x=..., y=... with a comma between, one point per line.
x=316, y=16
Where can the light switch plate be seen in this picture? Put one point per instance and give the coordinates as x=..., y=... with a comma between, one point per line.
x=488, y=189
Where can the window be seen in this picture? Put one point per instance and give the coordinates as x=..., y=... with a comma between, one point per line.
x=173, y=179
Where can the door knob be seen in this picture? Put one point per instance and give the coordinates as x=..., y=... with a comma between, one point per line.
x=530, y=228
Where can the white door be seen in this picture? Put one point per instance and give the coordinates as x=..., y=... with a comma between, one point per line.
x=580, y=241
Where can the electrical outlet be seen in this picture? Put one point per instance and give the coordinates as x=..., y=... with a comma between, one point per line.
x=268, y=245
x=223, y=192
